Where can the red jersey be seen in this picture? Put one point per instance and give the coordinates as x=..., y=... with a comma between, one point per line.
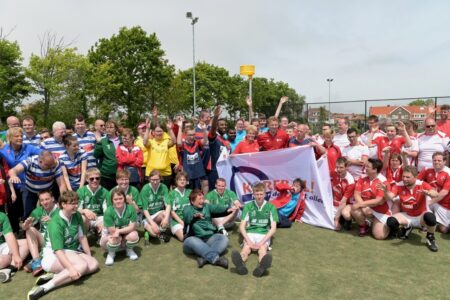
x=268, y=142
x=413, y=201
x=443, y=126
x=369, y=190
x=393, y=177
x=439, y=180
x=245, y=146
x=383, y=141
x=342, y=187
x=333, y=153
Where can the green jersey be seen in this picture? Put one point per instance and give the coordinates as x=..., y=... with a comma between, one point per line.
x=63, y=233
x=151, y=200
x=94, y=201
x=38, y=213
x=227, y=198
x=113, y=218
x=177, y=202
x=5, y=227
x=202, y=228
x=132, y=191
x=259, y=219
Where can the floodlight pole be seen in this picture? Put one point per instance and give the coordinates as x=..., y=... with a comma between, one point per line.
x=329, y=98
x=193, y=21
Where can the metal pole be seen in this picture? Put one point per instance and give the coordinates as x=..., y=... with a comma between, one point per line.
x=250, y=87
x=329, y=100
x=193, y=64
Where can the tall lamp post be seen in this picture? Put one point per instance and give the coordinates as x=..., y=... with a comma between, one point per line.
x=329, y=98
x=193, y=21
x=248, y=70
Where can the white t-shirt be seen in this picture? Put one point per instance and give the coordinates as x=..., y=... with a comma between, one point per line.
x=414, y=147
x=341, y=140
x=373, y=151
x=428, y=144
x=356, y=152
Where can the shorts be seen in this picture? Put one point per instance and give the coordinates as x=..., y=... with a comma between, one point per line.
x=175, y=228
x=442, y=214
x=380, y=217
x=96, y=222
x=4, y=249
x=153, y=217
x=257, y=237
x=412, y=221
x=49, y=258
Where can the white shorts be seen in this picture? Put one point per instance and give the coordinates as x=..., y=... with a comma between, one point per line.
x=49, y=258
x=96, y=222
x=175, y=228
x=442, y=214
x=380, y=217
x=412, y=221
x=4, y=249
x=153, y=217
x=257, y=237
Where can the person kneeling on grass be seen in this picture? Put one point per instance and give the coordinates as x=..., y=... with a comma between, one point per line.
x=258, y=225
x=12, y=251
x=62, y=254
x=290, y=203
x=178, y=199
x=120, y=228
x=35, y=238
x=202, y=238
x=411, y=196
x=153, y=198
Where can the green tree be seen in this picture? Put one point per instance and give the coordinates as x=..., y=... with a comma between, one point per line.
x=137, y=74
x=422, y=102
x=13, y=84
x=323, y=115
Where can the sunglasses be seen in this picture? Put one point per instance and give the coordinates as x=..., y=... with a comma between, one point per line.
x=94, y=178
x=430, y=126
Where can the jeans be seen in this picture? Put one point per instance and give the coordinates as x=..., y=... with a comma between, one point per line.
x=209, y=249
x=30, y=200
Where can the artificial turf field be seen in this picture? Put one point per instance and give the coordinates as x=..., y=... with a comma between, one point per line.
x=308, y=263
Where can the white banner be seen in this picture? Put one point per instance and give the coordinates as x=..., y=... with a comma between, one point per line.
x=244, y=170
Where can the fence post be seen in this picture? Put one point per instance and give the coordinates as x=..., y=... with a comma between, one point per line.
x=365, y=115
x=435, y=109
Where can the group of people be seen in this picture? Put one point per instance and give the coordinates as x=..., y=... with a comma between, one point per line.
x=106, y=182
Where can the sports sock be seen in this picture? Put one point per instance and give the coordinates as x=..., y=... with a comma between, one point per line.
x=48, y=286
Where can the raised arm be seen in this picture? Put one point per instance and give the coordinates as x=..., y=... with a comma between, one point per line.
x=283, y=100
x=249, y=101
x=215, y=121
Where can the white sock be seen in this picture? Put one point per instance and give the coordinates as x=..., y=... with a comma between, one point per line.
x=48, y=286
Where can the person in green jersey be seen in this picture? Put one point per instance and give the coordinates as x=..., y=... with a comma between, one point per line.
x=123, y=184
x=153, y=198
x=177, y=199
x=223, y=196
x=41, y=216
x=61, y=254
x=12, y=251
x=202, y=238
x=258, y=225
x=92, y=201
x=120, y=223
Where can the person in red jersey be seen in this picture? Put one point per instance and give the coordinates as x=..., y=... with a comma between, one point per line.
x=333, y=151
x=370, y=202
x=444, y=123
x=343, y=185
x=410, y=195
x=393, y=167
x=249, y=143
x=275, y=138
x=439, y=178
x=391, y=142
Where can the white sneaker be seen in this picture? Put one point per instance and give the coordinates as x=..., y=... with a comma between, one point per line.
x=131, y=254
x=110, y=259
x=4, y=275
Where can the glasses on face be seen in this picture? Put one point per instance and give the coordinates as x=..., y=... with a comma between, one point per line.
x=94, y=179
x=154, y=179
x=351, y=136
x=430, y=126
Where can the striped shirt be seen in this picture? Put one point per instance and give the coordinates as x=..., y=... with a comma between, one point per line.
x=87, y=143
x=35, y=140
x=55, y=147
x=38, y=179
x=73, y=167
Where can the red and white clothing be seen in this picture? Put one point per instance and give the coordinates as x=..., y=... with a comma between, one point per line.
x=130, y=158
x=355, y=152
x=428, y=144
x=383, y=141
x=439, y=180
x=342, y=187
x=414, y=147
x=268, y=142
x=341, y=140
x=443, y=126
x=413, y=201
x=333, y=153
x=394, y=177
x=245, y=146
x=373, y=151
x=368, y=189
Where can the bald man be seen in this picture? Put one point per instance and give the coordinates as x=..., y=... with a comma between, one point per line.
x=11, y=122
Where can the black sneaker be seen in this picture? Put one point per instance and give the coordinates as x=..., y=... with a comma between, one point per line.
x=44, y=278
x=347, y=225
x=201, y=262
x=222, y=262
x=236, y=258
x=404, y=232
x=264, y=264
x=164, y=237
x=36, y=293
x=431, y=243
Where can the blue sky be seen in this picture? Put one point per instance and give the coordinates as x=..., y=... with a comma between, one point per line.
x=372, y=50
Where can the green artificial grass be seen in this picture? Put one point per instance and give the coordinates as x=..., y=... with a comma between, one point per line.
x=308, y=263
